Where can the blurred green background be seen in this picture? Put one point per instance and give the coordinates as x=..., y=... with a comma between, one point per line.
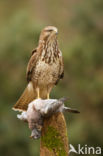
x=80, y=25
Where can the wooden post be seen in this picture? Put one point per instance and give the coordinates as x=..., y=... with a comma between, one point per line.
x=54, y=140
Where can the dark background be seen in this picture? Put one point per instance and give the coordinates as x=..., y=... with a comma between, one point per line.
x=80, y=25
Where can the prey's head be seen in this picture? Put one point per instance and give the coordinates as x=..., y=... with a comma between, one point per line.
x=35, y=134
x=48, y=33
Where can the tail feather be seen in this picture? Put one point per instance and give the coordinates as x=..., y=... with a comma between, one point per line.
x=27, y=96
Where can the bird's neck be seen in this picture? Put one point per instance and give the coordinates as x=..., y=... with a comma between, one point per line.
x=49, y=51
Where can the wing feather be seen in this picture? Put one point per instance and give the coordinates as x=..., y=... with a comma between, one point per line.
x=61, y=68
x=31, y=65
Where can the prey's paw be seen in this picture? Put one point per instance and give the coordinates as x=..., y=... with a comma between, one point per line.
x=22, y=116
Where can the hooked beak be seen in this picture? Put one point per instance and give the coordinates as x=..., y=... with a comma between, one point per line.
x=56, y=31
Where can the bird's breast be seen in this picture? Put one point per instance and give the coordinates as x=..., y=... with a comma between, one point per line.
x=46, y=73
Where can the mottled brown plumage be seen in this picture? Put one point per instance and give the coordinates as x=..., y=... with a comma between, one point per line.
x=44, y=69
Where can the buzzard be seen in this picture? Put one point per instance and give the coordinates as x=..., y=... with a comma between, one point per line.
x=45, y=68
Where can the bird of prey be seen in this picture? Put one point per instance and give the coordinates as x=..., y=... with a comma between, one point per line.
x=45, y=68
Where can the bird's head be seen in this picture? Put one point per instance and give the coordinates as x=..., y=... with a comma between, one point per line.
x=48, y=33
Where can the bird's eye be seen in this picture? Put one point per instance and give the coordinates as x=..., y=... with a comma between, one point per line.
x=49, y=30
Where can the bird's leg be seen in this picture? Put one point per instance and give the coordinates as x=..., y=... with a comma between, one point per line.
x=48, y=95
x=38, y=93
x=49, y=88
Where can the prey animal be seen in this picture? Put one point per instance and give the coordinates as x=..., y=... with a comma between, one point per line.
x=39, y=109
x=45, y=68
